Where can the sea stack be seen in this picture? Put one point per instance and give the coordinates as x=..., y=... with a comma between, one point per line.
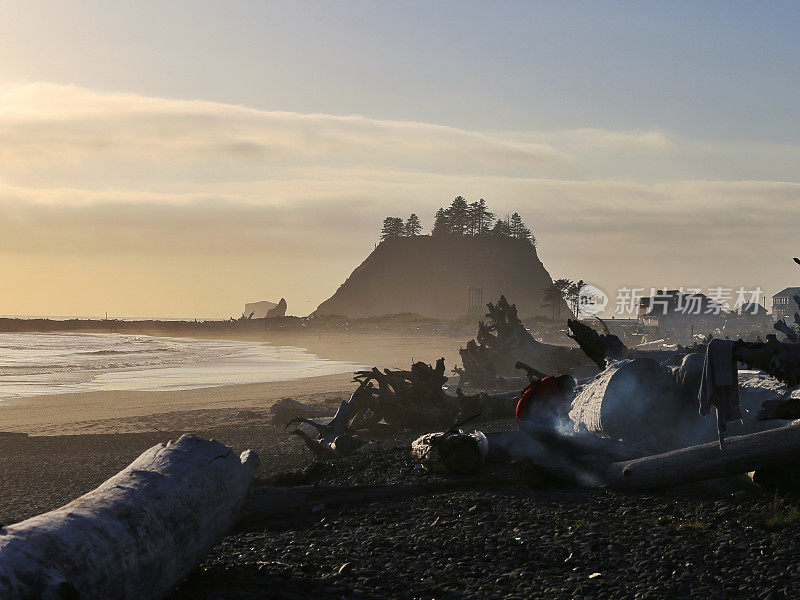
x=432, y=276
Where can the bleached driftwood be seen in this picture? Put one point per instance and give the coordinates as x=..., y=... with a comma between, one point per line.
x=634, y=400
x=137, y=535
x=742, y=454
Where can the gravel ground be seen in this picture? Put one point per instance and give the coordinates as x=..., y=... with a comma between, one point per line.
x=488, y=542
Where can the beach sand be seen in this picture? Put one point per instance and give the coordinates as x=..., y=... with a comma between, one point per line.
x=131, y=411
x=483, y=542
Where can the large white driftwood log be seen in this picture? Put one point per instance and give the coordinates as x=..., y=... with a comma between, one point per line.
x=137, y=535
x=742, y=454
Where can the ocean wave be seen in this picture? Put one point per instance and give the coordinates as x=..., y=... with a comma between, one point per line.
x=36, y=363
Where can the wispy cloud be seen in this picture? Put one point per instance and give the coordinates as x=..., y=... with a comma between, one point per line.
x=91, y=174
x=46, y=124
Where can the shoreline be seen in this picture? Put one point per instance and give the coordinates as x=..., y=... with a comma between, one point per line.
x=111, y=411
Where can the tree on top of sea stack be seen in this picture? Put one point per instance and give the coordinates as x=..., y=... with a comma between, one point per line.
x=480, y=218
x=441, y=224
x=430, y=275
x=413, y=226
x=475, y=219
x=393, y=227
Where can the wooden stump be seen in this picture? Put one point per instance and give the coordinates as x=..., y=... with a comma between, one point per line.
x=453, y=453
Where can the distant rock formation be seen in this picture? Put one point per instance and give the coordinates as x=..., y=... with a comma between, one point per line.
x=258, y=310
x=264, y=309
x=431, y=276
x=279, y=310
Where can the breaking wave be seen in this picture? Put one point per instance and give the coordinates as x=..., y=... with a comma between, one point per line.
x=54, y=363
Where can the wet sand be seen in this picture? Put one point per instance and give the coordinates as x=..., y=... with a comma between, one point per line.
x=131, y=411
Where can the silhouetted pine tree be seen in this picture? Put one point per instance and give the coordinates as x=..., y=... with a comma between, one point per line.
x=515, y=225
x=458, y=216
x=518, y=229
x=441, y=224
x=480, y=219
x=501, y=228
x=393, y=227
x=413, y=226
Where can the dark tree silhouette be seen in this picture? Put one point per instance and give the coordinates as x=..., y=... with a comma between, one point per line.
x=501, y=228
x=458, y=216
x=441, y=224
x=462, y=219
x=413, y=227
x=393, y=227
x=518, y=230
x=480, y=218
x=554, y=295
x=573, y=294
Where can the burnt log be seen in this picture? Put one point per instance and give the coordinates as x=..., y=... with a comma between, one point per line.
x=781, y=360
x=544, y=456
x=786, y=330
x=779, y=479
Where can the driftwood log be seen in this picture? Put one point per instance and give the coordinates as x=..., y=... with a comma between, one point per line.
x=781, y=360
x=501, y=341
x=598, y=347
x=392, y=400
x=742, y=454
x=280, y=503
x=137, y=535
x=335, y=439
x=637, y=401
x=603, y=348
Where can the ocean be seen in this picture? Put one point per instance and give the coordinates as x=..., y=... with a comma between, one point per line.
x=33, y=364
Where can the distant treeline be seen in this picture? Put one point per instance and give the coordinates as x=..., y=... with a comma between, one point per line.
x=463, y=219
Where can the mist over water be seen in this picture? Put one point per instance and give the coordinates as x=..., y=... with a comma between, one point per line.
x=33, y=364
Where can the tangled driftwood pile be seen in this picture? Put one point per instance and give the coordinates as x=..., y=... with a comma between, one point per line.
x=490, y=359
x=394, y=400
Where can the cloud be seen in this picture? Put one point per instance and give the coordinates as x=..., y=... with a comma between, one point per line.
x=43, y=125
x=295, y=201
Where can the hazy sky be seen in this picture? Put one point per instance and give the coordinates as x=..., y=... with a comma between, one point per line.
x=182, y=158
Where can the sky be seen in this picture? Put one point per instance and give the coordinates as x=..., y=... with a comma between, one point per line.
x=180, y=159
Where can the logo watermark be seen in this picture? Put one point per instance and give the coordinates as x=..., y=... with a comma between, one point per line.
x=633, y=302
x=591, y=301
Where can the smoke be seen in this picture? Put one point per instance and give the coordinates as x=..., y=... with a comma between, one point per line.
x=551, y=443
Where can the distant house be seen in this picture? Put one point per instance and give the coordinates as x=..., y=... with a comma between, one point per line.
x=749, y=315
x=675, y=310
x=783, y=304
